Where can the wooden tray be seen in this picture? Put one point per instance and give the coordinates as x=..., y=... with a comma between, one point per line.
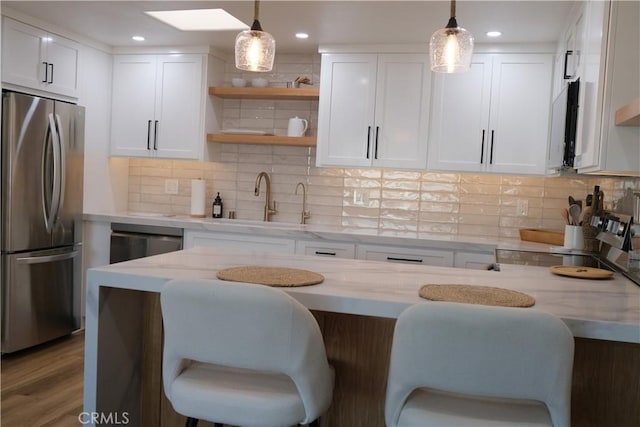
x=581, y=272
x=553, y=237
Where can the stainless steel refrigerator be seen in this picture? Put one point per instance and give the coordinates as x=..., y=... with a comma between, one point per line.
x=42, y=173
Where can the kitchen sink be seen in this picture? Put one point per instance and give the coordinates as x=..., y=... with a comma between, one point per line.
x=150, y=214
x=251, y=222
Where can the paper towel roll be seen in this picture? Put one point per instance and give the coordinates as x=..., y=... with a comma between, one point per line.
x=198, y=193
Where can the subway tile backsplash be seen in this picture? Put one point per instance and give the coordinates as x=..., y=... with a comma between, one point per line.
x=384, y=200
x=390, y=201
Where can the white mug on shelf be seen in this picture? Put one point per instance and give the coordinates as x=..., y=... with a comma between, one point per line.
x=297, y=126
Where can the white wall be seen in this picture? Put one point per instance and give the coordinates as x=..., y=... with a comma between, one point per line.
x=105, y=179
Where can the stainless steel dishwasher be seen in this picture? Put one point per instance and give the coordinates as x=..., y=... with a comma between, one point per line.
x=133, y=241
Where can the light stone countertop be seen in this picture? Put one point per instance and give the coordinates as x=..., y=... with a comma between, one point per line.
x=319, y=232
x=600, y=309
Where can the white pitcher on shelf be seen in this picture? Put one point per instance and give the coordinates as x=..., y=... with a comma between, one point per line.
x=297, y=126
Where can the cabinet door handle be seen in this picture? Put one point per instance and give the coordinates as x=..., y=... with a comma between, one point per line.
x=368, y=140
x=51, y=74
x=375, y=156
x=482, y=148
x=149, y=135
x=491, y=151
x=325, y=253
x=390, y=258
x=155, y=135
x=566, y=60
x=46, y=72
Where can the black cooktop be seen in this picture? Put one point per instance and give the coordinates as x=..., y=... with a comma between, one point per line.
x=546, y=259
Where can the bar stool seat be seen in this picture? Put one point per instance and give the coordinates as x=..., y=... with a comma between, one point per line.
x=433, y=408
x=248, y=395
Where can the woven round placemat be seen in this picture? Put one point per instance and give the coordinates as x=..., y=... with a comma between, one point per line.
x=485, y=295
x=271, y=276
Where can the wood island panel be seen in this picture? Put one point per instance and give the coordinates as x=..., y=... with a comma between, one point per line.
x=606, y=384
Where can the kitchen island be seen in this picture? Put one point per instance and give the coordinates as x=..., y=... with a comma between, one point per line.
x=356, y=307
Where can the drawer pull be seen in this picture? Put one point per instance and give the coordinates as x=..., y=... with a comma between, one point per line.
x=325, y=253
x=390, y=258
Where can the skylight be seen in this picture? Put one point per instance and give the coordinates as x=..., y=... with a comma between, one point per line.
x=199, y=20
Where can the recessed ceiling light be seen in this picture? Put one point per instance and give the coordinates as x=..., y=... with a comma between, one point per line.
x=199, y=20
x=138, y=38
x=302, y=35
x=494, y=33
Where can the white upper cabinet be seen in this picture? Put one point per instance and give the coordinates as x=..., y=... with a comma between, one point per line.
x=157, y=106
x=36, y=59
x=373, y=110
x=571, y=50
x=609, y=80
x=493, y=118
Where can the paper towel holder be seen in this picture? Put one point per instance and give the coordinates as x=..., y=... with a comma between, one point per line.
x=198, y=195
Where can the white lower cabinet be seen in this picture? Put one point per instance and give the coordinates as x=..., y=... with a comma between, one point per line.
x=474, y=260
x=238, y=241
x=437, y=257
x=330, y=249
x=326, y=249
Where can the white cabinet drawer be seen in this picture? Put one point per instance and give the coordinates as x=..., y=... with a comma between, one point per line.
x=327, y=249
x=475, y=260
x=238, y=241
x=443, y=258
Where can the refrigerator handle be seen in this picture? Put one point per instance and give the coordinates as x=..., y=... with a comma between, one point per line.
x=55, y=197
x=46, y=196
x=63, y=168
x=46, y=258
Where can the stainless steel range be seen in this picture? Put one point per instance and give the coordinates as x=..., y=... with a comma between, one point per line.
x=618, y=235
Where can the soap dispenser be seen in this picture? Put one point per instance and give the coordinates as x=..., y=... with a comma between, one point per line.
x=217, y=207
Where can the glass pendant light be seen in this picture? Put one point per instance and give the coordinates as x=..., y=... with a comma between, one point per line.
x=451, y=47
x=255, y=49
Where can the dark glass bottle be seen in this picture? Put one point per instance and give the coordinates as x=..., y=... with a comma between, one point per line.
x=217, y=207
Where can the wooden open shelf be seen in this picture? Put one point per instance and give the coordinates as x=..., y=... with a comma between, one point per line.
x=629, y=115
x=265, y=93
x=230, y=138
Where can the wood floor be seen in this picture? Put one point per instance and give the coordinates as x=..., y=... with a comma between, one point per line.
x=43, y=386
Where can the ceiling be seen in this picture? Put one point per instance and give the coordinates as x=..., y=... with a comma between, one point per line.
x=327, y=22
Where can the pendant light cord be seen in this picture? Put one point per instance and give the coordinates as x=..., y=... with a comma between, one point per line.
x=452, y=20
x=256, y=11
